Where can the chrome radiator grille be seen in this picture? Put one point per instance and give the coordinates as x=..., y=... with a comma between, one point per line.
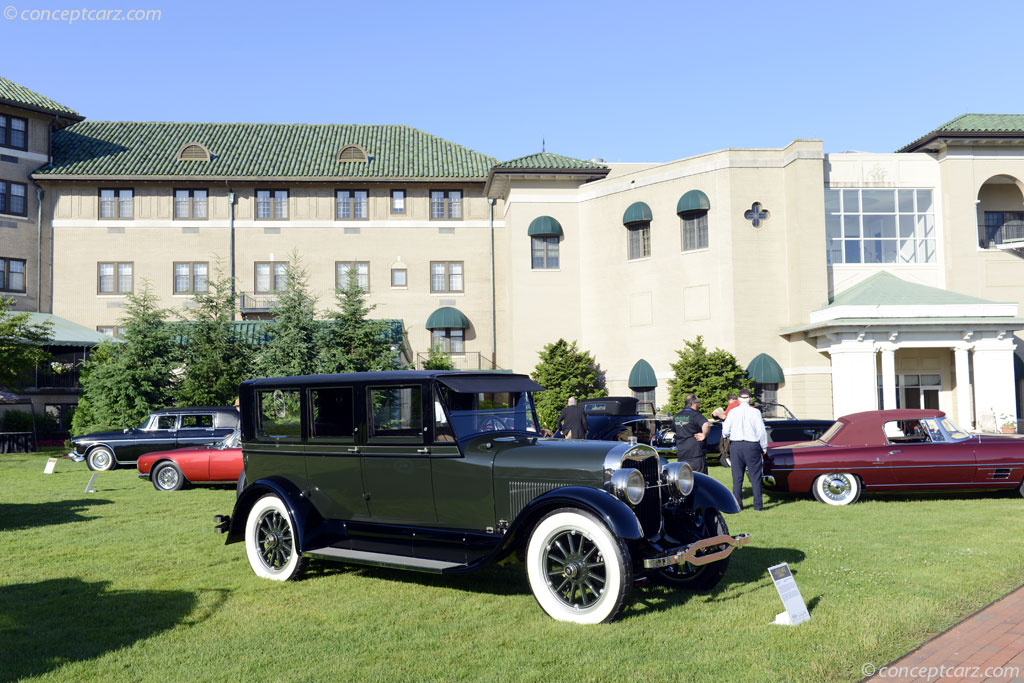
x=649, y=509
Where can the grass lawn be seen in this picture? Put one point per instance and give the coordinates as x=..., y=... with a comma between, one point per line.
x=131, y=584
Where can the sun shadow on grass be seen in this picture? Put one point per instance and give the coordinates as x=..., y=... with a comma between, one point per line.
x=29, y=515
x=47, y=624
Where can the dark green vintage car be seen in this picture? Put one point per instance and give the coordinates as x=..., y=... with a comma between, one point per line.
x=446, y=472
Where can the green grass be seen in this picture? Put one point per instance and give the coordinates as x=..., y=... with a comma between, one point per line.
x=130, y=584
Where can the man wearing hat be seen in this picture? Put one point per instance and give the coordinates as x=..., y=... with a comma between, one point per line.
x=744, y=427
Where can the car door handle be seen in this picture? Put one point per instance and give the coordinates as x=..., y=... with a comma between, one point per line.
x=353, y=450
x=423, y=450
x=894, y=452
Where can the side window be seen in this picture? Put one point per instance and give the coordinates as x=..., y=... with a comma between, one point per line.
x=906, y=431
x=280, y=415
x=442, y=428
x=167, y=422
x=333, y=413
x=197, y=421
x=396, y=414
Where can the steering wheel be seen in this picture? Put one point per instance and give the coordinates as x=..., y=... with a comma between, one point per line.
x=492, y=424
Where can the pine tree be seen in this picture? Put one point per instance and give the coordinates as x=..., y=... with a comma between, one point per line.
x=292, y=349
x=564, y=371
x=350, y=341
x=20, y=344
x=711, y=376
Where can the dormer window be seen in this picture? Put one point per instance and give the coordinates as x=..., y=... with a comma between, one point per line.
x=352, y=153
x=193, y=151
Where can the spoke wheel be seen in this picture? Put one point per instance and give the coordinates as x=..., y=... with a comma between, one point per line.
x=100, y=459
x=837, y=488
x=270, y=541
x=578, y=570
x=167, y=477
x=700, y=577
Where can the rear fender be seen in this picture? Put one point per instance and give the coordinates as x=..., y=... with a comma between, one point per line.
x=303, y=514
x=711, y=493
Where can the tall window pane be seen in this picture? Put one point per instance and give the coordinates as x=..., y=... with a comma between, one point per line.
x=18, y=127
x=281, y=204
x=18, y=199
x=107, y=205
x=181, y=202
x=437, y=277
x=106, y=284
x=280, y=276
x=199, y=204
x=344, y=208
x=181, y=277
x=262, y=277
x=124, y=208
x=360, y=204
x=124, y=277
x=16, y=283
x=200, y=277
x=263, y=204
x=455, y=204
x=455, y=277
x=437, y=204
x=639, y=240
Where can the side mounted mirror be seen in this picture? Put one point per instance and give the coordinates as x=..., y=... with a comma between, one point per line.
x=126, y=430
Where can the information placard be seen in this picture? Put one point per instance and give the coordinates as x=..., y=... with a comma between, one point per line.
x=50, y=464
x=796, y=611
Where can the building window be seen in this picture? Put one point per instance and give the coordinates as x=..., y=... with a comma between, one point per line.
x=397, y=201
x=544, y=252
x=114, y=278
x=116, y=203
x=915, y=391
x=695, y=230
x=399, y=277
x=12, y=275
x=446, y=276
x=445, y=204
x=342, y=269
x=12, y=198
x=110, y=330
x=191, y=278
x=13, y=132
x=880, y=226
x=639, y=240
x=644, y=401
x=190, y=204
x=271, y=276
x=271, y=205
x=451, y=340
x=1000, y=227
x=352, y=205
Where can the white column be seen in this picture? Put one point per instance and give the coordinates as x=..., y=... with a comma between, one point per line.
x=964, y=409
x=854, y=377
x=888, y=377
x=993, y=382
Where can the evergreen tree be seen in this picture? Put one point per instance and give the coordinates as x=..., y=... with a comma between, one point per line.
x=350, y=341
x=123, y=381
x=564, y=371
x=214, y=361
x=711, y=376
x=292, y=349
x=438, y=359
x=20, y=344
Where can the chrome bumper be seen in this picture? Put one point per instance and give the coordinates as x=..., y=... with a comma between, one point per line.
x=689, y=553
x=74, y=455
x=144, y=476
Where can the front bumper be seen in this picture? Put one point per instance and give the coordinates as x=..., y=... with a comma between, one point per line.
x=690, y=552
x=76, y=456
x=143, y=475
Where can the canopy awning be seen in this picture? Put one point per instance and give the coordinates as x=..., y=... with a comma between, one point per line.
x=65, y=332
x=447, y=317
x=465, y=383
x=544, y=226
x=638, y=212
x=641, y=377
x=765, y=370
x=692, y=201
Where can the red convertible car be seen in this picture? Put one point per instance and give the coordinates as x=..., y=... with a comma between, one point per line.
x=172, y=470
x=895, y=450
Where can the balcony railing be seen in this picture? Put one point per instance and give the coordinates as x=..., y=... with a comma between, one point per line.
x=1007, y=233
x=470, y=360
x=43, y=377
x=252, y=302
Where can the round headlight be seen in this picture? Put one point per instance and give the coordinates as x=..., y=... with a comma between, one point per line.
x=629, y=485
x=679, y=475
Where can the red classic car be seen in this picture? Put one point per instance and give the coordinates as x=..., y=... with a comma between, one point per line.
x=172, y=470
x=895, y=450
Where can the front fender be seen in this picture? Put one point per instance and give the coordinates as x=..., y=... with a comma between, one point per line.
x=303, y=514
x=613, y=512
x=711, y=493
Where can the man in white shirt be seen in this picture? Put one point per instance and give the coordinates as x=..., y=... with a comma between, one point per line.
x=744, y=428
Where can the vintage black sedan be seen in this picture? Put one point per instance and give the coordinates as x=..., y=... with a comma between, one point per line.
x=446, y=472
x=162, y=430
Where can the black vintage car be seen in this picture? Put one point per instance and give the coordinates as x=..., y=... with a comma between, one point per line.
x=162, y=430
x=446, y=472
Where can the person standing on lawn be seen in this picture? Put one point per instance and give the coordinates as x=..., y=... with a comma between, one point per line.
x=744, y=427
x=691, y=429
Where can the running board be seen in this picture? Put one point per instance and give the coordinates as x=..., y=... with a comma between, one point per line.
x=382, y=559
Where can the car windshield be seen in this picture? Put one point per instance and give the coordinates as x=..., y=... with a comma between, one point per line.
x=943, y=429
x=489, y=412
x=231, y=440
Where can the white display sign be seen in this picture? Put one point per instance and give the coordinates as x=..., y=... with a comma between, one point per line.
x=796, y=611
x=50, y=464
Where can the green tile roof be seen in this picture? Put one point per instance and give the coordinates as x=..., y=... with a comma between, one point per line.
x=547, y=160
x=19, y=96
x=885, y=289
x=988, y=125
x=257, y=332
x=259, y=150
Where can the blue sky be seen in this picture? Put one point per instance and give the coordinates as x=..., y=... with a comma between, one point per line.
x=623, y=81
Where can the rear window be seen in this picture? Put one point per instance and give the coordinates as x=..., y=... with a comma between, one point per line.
x=333, y=413
x=204, y=421
x=831, y=432
x=280, y=414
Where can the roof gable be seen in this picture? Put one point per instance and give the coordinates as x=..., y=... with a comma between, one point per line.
x=547, y=160
x=885, y=289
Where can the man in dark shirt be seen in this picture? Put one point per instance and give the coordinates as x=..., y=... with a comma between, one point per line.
x=572, y=422
x=691, y=428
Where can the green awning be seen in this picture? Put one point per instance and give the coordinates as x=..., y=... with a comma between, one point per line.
x=641, y=377
x=544, y=226
x=765, y=370
x=694, y=200
x=447, y=317
x=65, y=332
x=638, y=212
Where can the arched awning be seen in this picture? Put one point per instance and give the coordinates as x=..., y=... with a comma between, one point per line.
x=693, y=201
x=447, y=317
x=638, y=212
x=641, y=377
x=765, y=370
x=544, y=226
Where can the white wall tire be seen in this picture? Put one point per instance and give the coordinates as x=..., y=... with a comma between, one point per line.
x=270, y=541
x=579, y=571
x=100, y=459
x=837, y=488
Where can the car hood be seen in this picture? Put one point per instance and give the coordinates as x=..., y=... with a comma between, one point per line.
x=530, y=459
x=104, y=436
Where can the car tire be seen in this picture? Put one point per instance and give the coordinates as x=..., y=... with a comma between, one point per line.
x=270, y=541
x=167, y=476
x=837, y=488
x=699, y=577
x=100, y=459
x=579, y=571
